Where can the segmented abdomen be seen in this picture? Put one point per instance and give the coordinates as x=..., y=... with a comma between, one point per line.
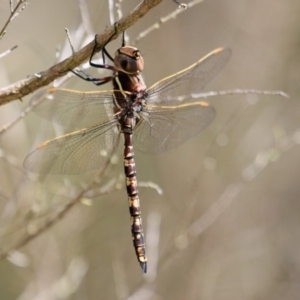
x=134, y=202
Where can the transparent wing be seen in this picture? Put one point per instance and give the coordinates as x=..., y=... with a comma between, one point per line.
x=166, y=129
x=77, y=152
x=74, y=109
x=171, y=116
x=178, y=87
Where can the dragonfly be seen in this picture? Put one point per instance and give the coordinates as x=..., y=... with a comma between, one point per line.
x=152, y=120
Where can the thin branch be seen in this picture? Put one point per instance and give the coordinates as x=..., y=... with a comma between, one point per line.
x=85, y=17
x=69, y=40
x=240, y=91
x=8, y=51
x=13, y=13
x=36, y=81
x=163, y=20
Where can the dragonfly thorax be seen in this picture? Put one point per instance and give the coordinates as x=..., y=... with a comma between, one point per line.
x=134, y=102
x=129, y=83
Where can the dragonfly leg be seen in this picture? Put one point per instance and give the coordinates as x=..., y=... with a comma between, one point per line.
x=103, y=80
x=104, y=51
x=96, y=81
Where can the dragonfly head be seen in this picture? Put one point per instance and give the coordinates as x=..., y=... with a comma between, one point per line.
x=129, y=60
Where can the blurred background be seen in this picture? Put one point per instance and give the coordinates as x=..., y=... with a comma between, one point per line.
x=227, y=223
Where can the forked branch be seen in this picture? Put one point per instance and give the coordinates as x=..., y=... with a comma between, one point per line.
x=13, y=14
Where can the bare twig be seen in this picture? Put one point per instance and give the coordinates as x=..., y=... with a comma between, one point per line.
x=34, y=82
x=165, y=19
x=69, y=40
x=111, y=5
x=84, y=12
x=240, y=91
x=13, y=14
x=8, y=51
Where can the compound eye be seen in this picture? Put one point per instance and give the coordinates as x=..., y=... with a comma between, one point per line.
x=129, y=60
x=130, y=65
